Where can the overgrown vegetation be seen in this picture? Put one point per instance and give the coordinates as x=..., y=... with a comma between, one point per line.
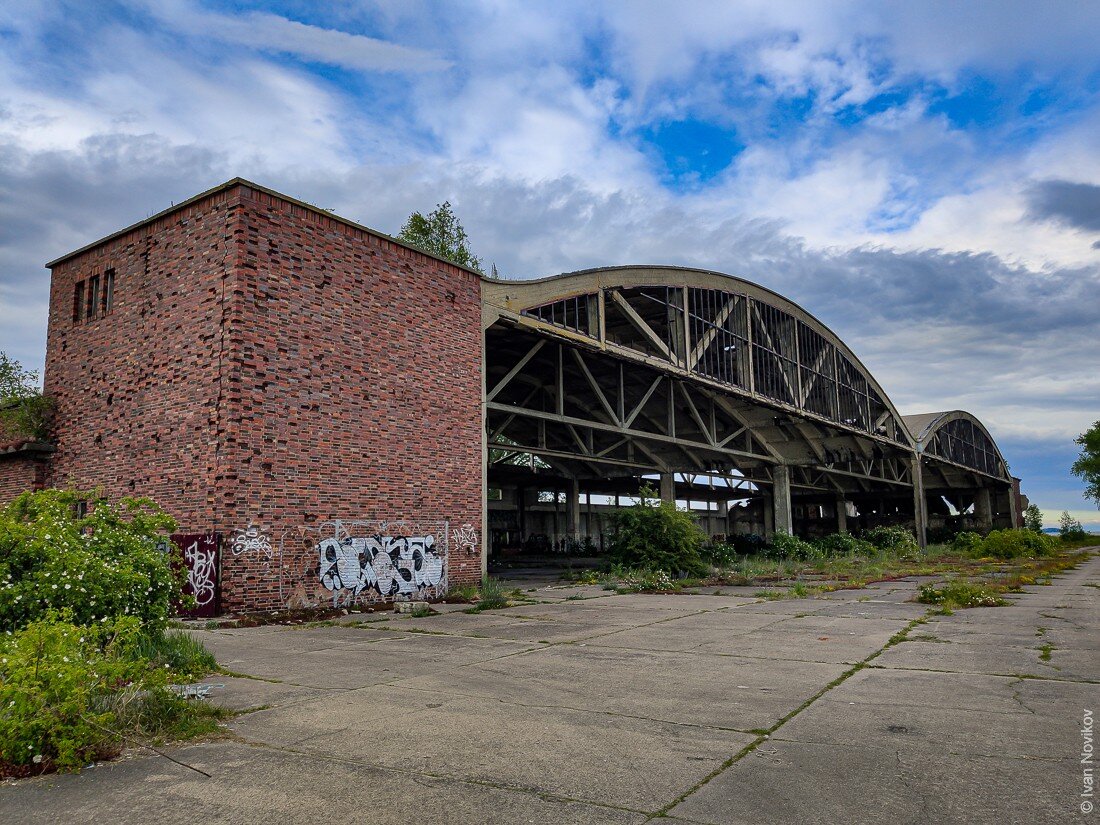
x=958, y=594
x=656, y=535
x=1087, y=465
x=100, y=565
x=87, y=662
x=24, y=410
x=70, y=694
x=440, y=233
x=491, y=594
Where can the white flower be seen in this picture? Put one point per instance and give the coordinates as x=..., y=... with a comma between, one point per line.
x=37, y=759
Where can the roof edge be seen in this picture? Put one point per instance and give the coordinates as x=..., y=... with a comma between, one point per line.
x=239, y=181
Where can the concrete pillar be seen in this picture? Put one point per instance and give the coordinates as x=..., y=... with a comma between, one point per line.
x=1013, y=506
x=781, y=495
x=983, y=508
x=668, y=487
x=920, y=504
x=769, y=515
x=841, y=515
x=573, y=508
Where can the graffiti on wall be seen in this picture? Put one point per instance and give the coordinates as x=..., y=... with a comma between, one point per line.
x=252, y=542
x=199, y=554
x=395, y=560
x=465, y=538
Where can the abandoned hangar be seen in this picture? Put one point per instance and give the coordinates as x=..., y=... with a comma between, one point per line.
x=333, y=416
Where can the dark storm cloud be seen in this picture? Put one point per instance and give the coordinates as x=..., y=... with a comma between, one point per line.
x=52, y=202
x=1072, y=204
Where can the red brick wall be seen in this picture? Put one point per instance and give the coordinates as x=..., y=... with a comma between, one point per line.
x=356, y=392
x=19, y=473
x=136, y=391
x=269, y=365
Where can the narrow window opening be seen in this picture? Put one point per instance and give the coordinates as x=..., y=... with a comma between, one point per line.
x=93, y=298
x=78, y=302
x=108, y=291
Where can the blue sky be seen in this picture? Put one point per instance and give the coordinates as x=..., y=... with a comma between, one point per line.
x=924, y=177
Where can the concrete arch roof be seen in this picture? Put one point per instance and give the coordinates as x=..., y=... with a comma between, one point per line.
x=924, y=427
x=518, y=295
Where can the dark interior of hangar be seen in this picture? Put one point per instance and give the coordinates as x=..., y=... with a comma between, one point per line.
x=720, y=395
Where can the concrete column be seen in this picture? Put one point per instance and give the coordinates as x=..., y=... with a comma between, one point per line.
x=920, y=504
x=781, y=494
x=769, y=515
x=1013, y=510
x=573, y=508
x=841, y=515
x=668, y=487
x=983, y=508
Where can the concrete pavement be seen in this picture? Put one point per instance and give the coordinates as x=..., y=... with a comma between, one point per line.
x=589, y=707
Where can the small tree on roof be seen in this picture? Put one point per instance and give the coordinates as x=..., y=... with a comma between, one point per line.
x=440, y=233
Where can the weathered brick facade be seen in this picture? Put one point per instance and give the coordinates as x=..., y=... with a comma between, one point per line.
x=22, y=467
x=266, y=364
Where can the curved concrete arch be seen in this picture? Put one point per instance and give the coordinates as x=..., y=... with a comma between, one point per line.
x=501, y=296
x=926, y=426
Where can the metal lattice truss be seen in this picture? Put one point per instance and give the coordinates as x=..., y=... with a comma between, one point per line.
x=626, y=373
x=590, y=413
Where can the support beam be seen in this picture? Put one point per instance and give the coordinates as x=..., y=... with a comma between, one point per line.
x=983, y=508
x=781, y=494
x=920, y=504
x=639, y=324
x=573, y=508
x=841, y=515
x=668, y=487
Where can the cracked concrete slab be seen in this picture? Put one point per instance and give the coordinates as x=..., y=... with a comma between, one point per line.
x=600, y=757
x=251, y=784
x=620, y=708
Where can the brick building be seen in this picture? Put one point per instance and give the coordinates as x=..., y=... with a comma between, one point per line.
x=265, y=369
x=325, y=410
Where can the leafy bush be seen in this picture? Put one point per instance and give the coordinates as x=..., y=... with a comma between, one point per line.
x=895, y=540
x=720, y=554
x=783, y=546
x=54, y=677
x=99, y=566
x=1011, y=544
x=967, y=542
x=843, y=544
x=958, y=593
x=657, y=536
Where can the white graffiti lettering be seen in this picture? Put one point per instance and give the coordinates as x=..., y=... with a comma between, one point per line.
x=465, y=537
x=201, y=572
x=391, y=566
x=251, y=540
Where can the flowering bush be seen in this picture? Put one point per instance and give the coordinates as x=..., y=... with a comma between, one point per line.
x=54, y=681
x=98, y=566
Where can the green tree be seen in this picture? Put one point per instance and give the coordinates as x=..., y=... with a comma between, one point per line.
x=1070, y=527
x=1087, y=465
x=440, y=233
x=1033, y=518
x=24, y=411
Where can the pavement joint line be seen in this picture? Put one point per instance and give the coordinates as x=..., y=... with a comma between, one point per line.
x=897, y=638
